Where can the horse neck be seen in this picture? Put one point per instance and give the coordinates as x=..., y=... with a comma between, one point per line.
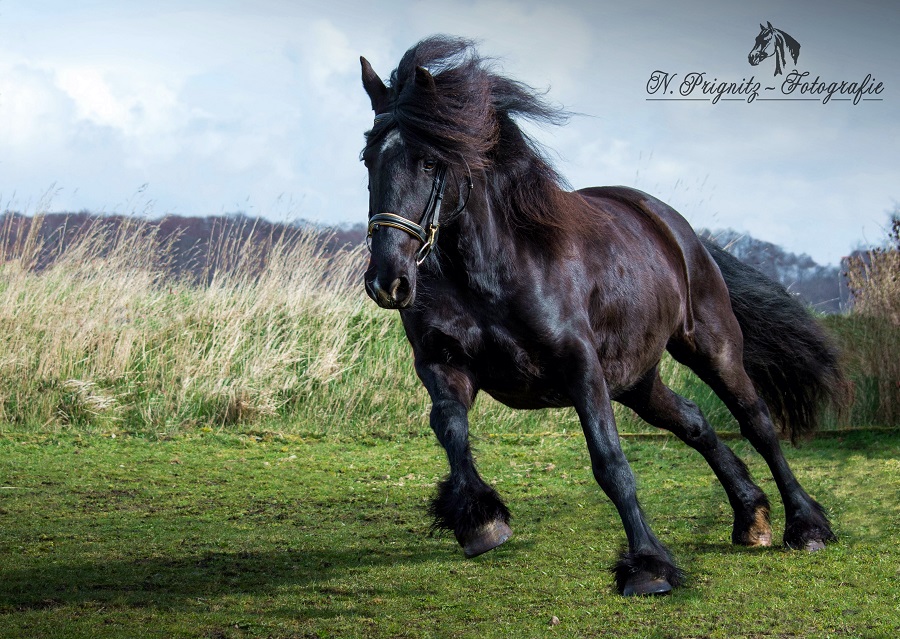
x=482, y=235
x=516, y=194
x=488, y=240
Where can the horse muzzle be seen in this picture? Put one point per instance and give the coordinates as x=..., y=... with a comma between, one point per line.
x=399, y=293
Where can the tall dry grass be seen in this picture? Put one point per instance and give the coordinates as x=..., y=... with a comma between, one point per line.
x=105, y=337
x=874, y=278
x=275, y=335
x=871, y=332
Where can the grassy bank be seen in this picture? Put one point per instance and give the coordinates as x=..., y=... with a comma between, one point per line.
x=233, y=536
x=103, y=340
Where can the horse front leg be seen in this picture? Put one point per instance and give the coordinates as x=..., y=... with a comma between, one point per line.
x=646, y=568
x=464, y=503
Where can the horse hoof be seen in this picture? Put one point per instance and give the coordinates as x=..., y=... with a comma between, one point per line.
x=486, y=538
x=651, y=572
x=756, y=535
x=755, y=539
x=814, y=545
x=758, y=539
x=763, y=540
x=643, y=586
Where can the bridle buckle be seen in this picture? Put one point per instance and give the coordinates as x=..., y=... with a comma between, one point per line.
x=429, y=244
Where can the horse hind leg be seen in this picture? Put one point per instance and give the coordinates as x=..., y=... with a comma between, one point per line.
x=646, y=568
x=658, y=405
x=718, y=361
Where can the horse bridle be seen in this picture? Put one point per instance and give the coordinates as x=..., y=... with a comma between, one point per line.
x=426, y=231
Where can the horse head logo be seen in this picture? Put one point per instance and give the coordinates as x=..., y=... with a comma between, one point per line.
x=772, y=41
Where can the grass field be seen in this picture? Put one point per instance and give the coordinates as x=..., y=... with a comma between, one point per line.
x=251, y=457
x=228, y=535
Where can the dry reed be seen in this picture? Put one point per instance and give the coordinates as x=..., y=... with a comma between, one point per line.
x=105, y=336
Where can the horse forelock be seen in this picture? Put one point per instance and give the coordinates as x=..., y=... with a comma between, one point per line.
x=423, y=116
x=459, y=117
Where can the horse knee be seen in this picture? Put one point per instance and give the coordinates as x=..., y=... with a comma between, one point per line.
x=447, y=410
x=450, y=424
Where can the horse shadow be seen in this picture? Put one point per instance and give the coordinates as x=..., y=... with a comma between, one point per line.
x=188, y=583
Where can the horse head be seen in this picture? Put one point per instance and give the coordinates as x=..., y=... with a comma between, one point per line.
x=406, y=188
x=771, y=41
x=762, y=48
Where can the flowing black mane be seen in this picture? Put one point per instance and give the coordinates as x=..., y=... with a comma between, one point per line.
x=466, y=117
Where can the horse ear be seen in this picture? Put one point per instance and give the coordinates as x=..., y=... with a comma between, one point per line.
x=770, y=24
x=761, y=27
x=378, y=93
x=424, y=79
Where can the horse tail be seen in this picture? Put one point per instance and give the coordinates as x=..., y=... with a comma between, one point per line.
x=791, y=361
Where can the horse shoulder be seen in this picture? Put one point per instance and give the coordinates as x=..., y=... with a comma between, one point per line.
x=440, y=327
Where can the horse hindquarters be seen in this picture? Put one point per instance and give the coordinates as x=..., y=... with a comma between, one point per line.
x=792, y=362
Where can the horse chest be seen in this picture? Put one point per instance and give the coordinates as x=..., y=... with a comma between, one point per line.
x=517, y=373
x=512, y=366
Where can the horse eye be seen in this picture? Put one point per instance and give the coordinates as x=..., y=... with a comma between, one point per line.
x=428, y=165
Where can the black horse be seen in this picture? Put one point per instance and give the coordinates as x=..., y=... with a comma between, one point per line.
x=542, y=297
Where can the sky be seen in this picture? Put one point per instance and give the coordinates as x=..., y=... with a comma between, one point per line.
x=205, y=107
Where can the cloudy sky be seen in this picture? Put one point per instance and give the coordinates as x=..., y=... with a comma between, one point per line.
x=206, y=107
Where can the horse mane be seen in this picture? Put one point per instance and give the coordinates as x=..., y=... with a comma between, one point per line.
x=467, y=117
x=782, y=39
x=792, y=45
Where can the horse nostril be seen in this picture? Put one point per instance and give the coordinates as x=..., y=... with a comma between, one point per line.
x=399, y=290
x=371, y=289
x=398, y=295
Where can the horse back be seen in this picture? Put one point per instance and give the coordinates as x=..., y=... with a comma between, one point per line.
x=628, y=211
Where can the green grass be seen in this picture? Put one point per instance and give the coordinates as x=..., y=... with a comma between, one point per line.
x=243, y=535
